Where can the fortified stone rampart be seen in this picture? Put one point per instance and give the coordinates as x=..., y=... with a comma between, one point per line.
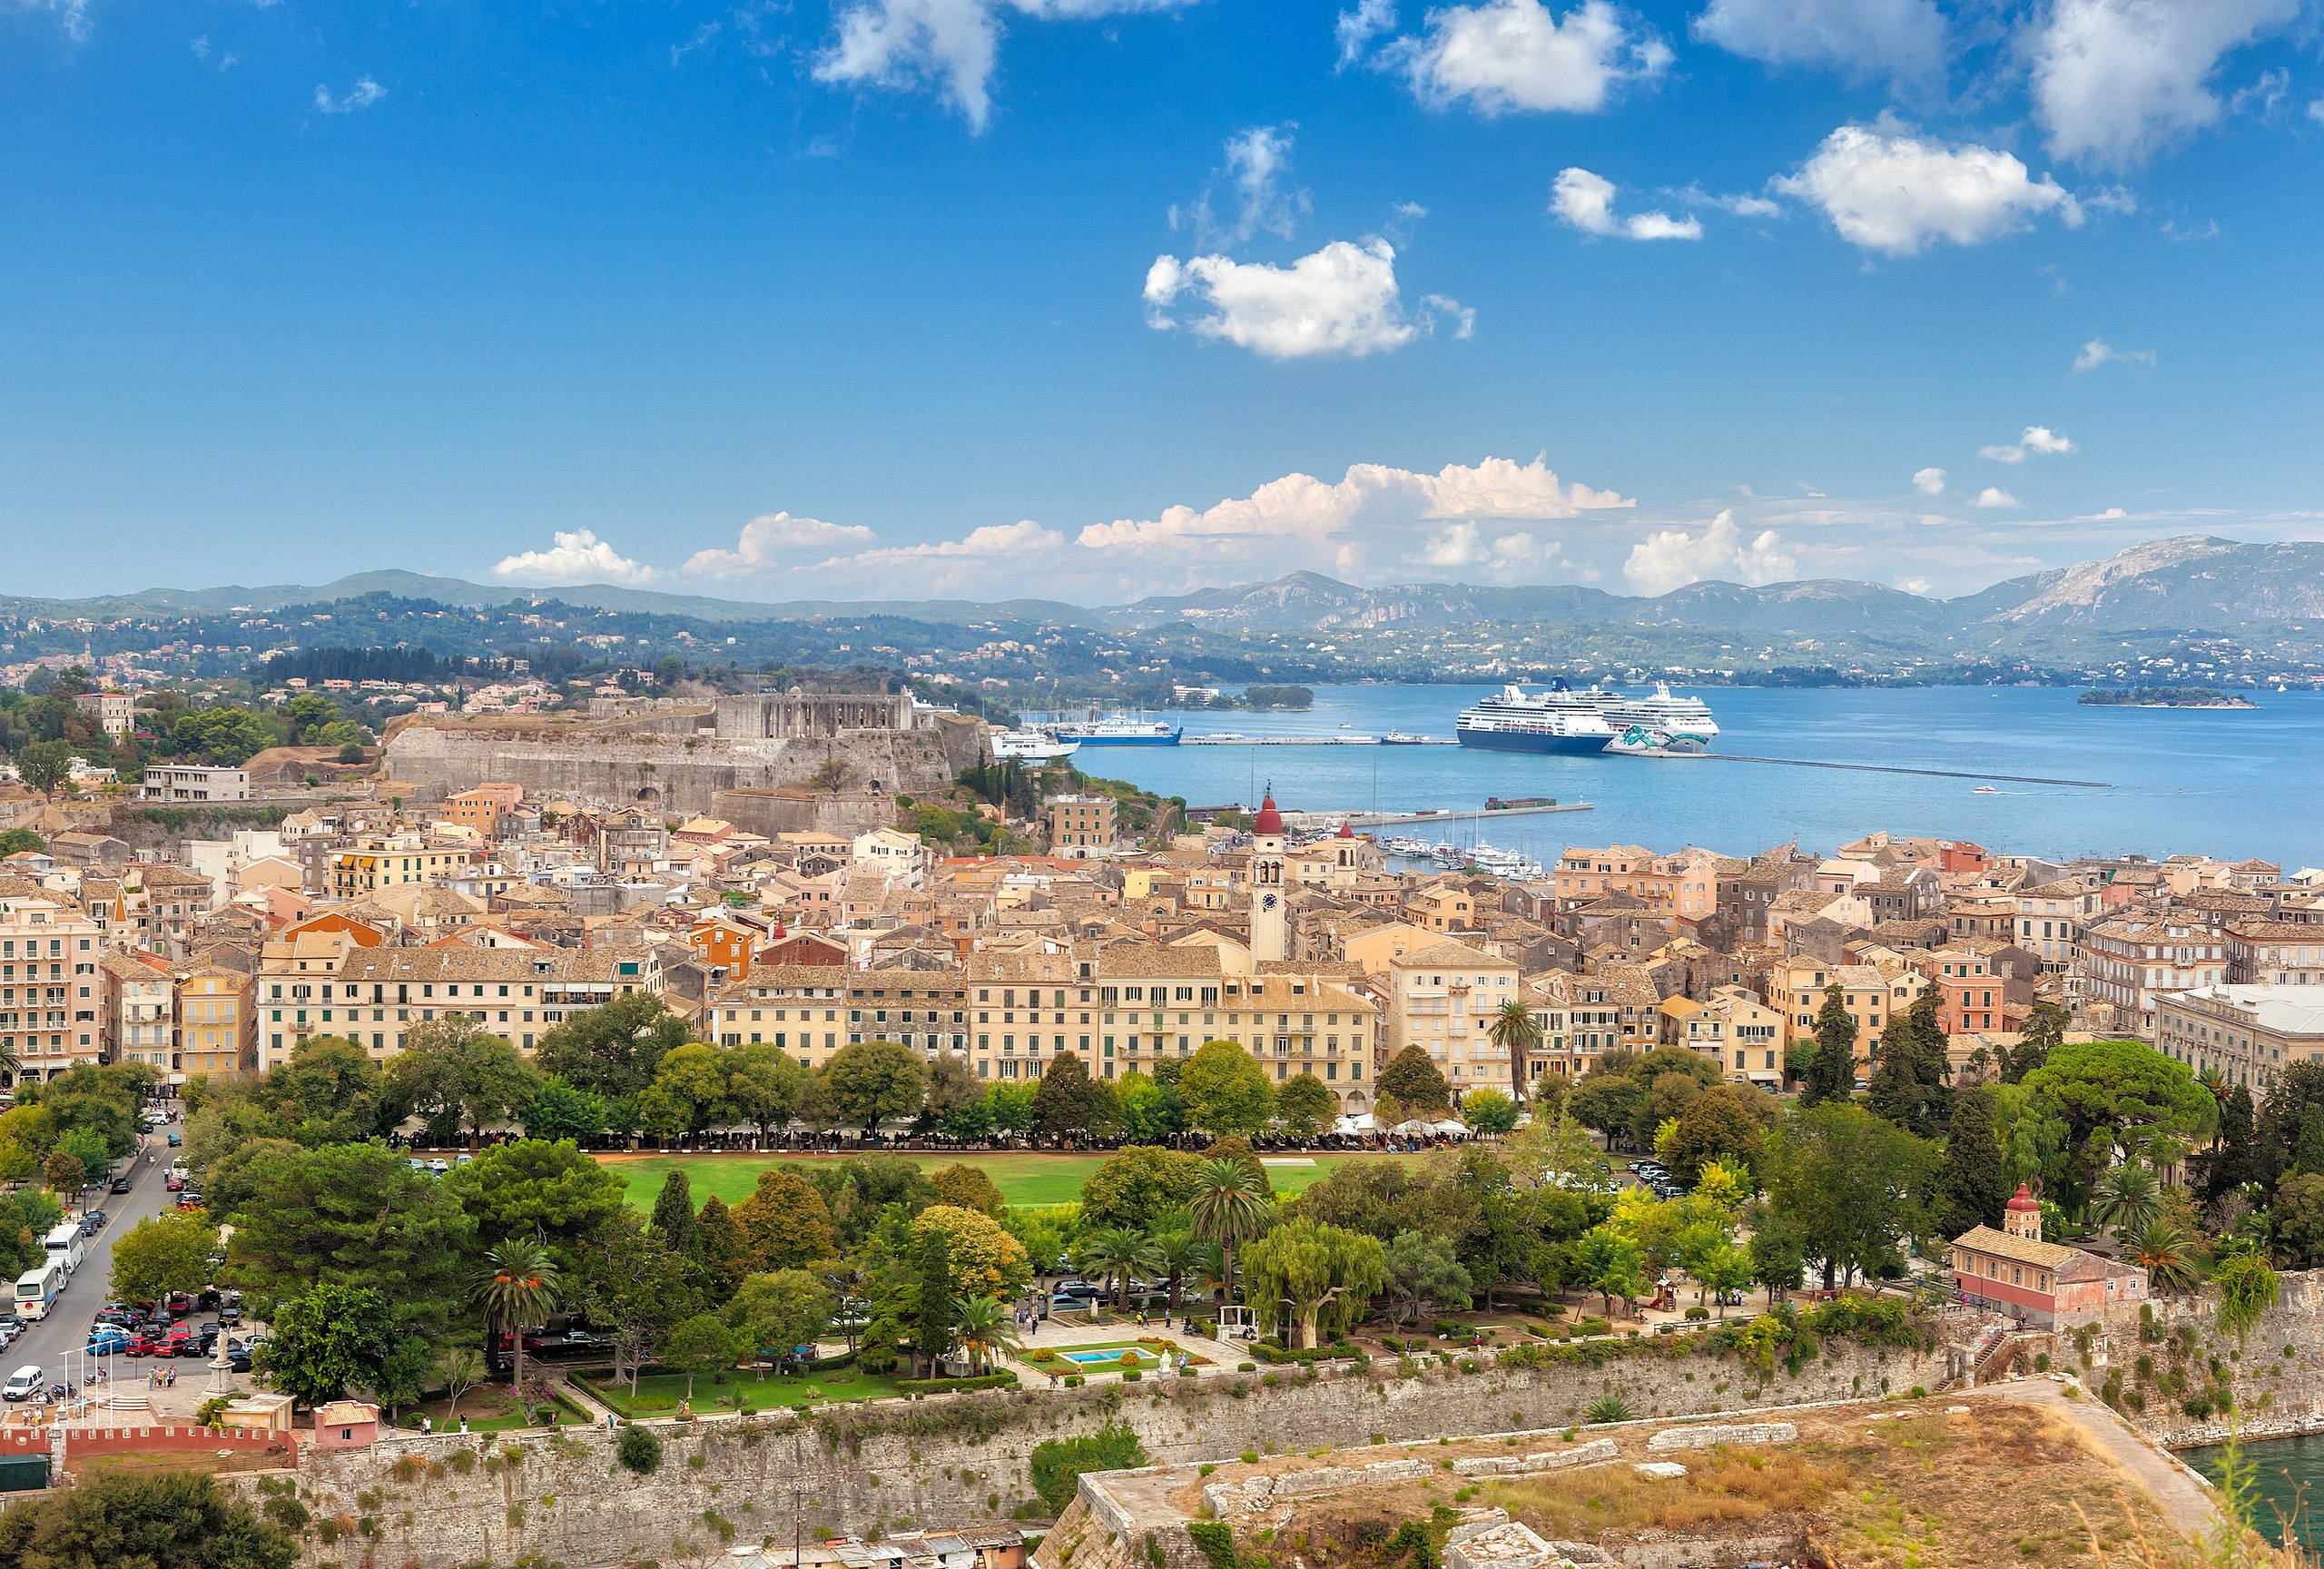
x=680, y=769
x=2164, y=1368
x=450, y=1500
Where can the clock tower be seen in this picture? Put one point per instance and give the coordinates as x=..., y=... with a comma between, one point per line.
x=1266, y=883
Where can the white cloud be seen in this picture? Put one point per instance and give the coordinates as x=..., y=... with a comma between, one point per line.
x=2316, y=109
x=1904, y=39
x=2038, y=441
x=1342, y=300
x=578, y=557
x=950, y=45
x=1371, y=514
x=71, y=15
x=362, y=95
x=1745, y=205
x=994, y=541
x=2116, y=80
x=1470, y=547
x=1994, y=496
x=1897, y=193
x=1916, y=585
x=1586, y=201
x=1256, y=159
x=1929, y=481
x=2098, y=352
x=1355, y=30
x=1672, y=559
x=1502, y=55
x=778, y=539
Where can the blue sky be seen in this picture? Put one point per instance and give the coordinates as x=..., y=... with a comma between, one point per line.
x=1095, y=298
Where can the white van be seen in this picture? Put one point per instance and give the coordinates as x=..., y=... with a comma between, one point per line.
x=23, y=1383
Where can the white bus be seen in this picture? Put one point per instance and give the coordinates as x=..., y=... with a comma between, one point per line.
x=36, y=1289
x=65, y=1246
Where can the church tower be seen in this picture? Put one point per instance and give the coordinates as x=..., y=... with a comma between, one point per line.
x=1266, y=883
x=2023, y=1216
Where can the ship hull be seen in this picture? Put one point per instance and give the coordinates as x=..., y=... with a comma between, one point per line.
x=1523, y=740
x=1169, y=740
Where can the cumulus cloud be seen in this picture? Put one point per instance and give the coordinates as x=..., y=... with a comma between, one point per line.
x=1929, y=481
x=1468, y=548
x=1904, y=39
x=994, y=541
x=1896, y=192
x=951, y=45
x=2098, y=352
x=1354, y=30
x=2114, y=81
x=71, y=15
x=2038, y=441
x=1256, y=161
x=1342, y=300
x=1586, y=201
x=362, y=95
x=1994, y=496
x=1672, y=559
x=1374, y=512
x=1504, y=55
x=779, y=540
x=578, y=557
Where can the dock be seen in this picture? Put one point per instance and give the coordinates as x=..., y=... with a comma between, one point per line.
x=1418, y=819
x=1890, y=768
x=1313, y=741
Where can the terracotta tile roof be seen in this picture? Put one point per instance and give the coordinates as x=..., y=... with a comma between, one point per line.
x=2016, y=1250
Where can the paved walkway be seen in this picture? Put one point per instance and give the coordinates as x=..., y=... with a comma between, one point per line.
x=2186, y=1503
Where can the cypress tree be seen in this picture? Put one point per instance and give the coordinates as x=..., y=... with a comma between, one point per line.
x=673, y=1215
x=2232, y=1163
x=1831, y=1071
x=1972, y=1186
x=933, y=1325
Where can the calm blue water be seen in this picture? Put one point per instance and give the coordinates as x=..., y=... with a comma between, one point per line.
x=2285, y=1478
x=2231, y=783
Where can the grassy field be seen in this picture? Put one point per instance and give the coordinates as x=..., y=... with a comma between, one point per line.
x=659, y=1393
x=1022, y=1179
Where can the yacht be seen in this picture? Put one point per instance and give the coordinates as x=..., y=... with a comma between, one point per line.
x=1030, y=747
x=1557, y=720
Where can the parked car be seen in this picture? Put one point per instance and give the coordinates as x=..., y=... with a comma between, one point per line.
x=229, y=1315
x=119, y=1185
x=108, y=1340
x=189, y=1199
x=176, y=1137
x=146, y=1344
x=172, y=1183
x=1080, y=1289
x=92, y=1222
x=10, y=1329
x=177, y=1304
x=238, y=1358
x=438, y=1166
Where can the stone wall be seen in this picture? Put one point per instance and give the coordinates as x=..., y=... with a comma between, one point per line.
x=2277, y=1371
x=678, y=772
x=446, y=1501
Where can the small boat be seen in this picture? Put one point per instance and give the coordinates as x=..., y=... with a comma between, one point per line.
x=1398, y=738
x=1985, y=790
x=1031, y=746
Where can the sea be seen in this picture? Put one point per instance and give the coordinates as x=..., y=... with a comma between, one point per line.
x=2232, y=782
x=2287, y=1484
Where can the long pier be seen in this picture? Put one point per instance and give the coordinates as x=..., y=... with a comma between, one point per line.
x=1890, y=768
x=1415, y=819
x=1313, y=741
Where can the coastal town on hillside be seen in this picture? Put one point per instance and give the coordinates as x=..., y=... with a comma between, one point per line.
x=801, y=1065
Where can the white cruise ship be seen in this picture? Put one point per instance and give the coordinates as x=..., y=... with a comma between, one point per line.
x=1557, y=720
x=1669, y=723
x=1030, y=747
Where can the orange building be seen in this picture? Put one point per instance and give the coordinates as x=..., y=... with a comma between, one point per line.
x=483, y=807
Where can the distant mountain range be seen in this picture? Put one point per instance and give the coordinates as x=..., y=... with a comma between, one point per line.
x=2194, y=584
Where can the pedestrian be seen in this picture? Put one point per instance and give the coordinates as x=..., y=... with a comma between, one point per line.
x=464, y=1424
x=1052, y=1377
x=426, y=1424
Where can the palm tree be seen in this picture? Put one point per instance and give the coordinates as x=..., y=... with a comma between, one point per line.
x=2161, y=1250
x=986, y=1328
x=1228, y=1208
x=1120, y=1251
x=516, y=1290
x=2127, y=1198
x=1517, y=1032
x=1178, y=1252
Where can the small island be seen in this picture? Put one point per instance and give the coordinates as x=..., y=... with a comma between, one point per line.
x=2163, y=697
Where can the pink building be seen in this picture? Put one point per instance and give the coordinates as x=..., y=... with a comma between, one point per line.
x=2046, y=1285
x=346, y=1425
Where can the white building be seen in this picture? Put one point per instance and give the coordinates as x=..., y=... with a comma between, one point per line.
x=2247, y=1033
x=172, y=782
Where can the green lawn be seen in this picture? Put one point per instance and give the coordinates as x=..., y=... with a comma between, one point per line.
x=1022, y=1179
x=658, y=1394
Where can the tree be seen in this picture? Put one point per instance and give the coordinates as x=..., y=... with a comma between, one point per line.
x=1831, y=1071
x=1137, y=1185
x=45, y=765
x=1067, y=1103
x=1717, y=1125
x=982, y=1260
x=1058, y=1464
x=1319, y=1277
x=549, y=1192
x=768, y=1088
x=327, y=1093
x=1850, y=1186
x=65, y=1173
x=1304, y=1105
x=1489, y=1111
x=2161, y=1251
x=1721, y=1269
x=561, y=1110
x=2297, y=1215
x=1149, y=1109
x=2234, y=1158
x=15, y=841
x=985, y=1330
x=1973, y=1185
x=326, y=1338
x=2044, y=1032
x=724, y=1252
x=1009, y=1108
x=459, y=1369
x=355, y=1214
x=1606, y=1103
x=785, y=1221
x=1229, y=1208
x=702, y=1344
x=1611, y=1264
x=517, y=1289
x=1518, y=1032
x=614, y=1048
x=1910, y=1070
x=2115, y=1097
x=637, y=1287
x=2127, y=1198
x=1225, y=1091
x=867, y=1082
x=161, y=1254
x=968, y=1187
x=952, y=1090
x=1118, y=1252
x=1425, y=1270
x=164, y=1520
x=935, y=1294
x=451, y=1071
x=691, y=1089
x=780, y=1311
x=673, y=1215
x=1412, y=1079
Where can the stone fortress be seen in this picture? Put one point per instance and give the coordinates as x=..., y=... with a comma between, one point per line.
x=682, y=760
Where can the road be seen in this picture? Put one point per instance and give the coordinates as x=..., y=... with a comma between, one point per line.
x=55, y=1342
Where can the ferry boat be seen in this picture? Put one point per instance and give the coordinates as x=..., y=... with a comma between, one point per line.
x=1557, y=720
x=1671, y=723
x=1117, y=730
x=1030, y=747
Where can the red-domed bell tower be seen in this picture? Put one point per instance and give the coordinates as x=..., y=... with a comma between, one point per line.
x=1266, y=881
x=2023, y=1216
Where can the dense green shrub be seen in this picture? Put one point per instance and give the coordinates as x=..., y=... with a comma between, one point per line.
x=1057, y=1463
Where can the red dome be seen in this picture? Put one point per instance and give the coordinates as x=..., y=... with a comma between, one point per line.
x=2025, y=1200
x=1269, y=820
x=1345, y=833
